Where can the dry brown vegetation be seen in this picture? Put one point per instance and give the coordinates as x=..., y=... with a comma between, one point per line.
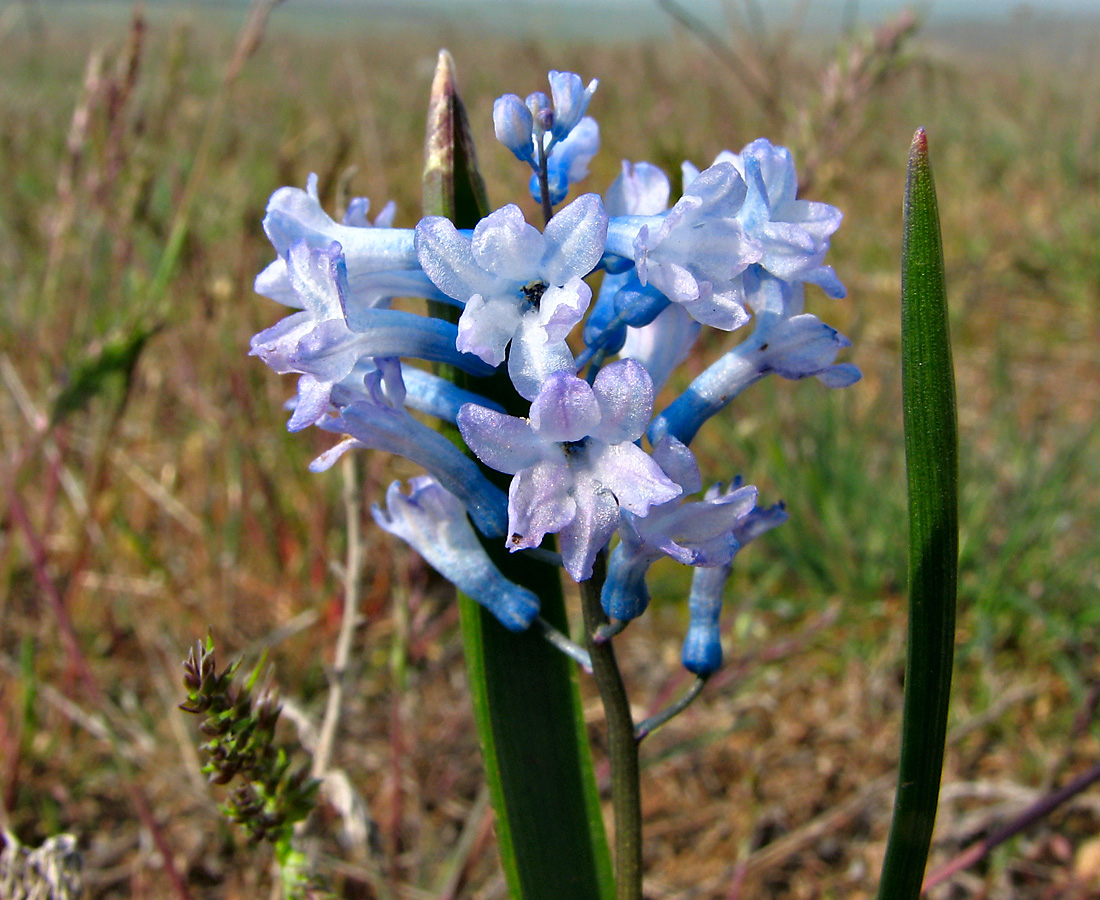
x=171, y=499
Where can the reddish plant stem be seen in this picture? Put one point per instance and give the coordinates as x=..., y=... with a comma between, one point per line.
x=1041, y=808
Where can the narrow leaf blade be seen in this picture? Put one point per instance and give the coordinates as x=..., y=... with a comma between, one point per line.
x=931, y=455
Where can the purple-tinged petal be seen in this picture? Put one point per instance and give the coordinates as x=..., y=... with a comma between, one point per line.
x=276, y=345
x=328, y=352
x=312, y=402
x=597, y=517
x=502, y=442
x=565, y=409
x=539, y=503
x=631, y=475
x=678, y=463
x=624, y=392
x=329, y=458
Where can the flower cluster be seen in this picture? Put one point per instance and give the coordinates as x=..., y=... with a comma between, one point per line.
x=733, y=253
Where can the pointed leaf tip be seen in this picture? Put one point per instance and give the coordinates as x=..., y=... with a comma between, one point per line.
x=443, y=83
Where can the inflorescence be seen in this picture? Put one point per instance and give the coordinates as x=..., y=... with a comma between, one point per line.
x=733, y=253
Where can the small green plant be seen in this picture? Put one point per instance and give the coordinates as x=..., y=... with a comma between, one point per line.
x=271, y=795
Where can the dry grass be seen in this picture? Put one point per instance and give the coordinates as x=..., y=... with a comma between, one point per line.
x=176, y=500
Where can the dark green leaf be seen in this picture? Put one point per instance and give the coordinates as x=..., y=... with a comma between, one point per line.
x=931, y=455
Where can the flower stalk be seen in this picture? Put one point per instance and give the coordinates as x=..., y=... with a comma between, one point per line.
x=622, y=744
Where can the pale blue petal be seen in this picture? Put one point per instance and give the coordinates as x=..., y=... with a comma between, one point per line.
x=570, y=99
x=595, y=521
x=777, y=169
x=435, y=396
x=631, y=476
x=841, y=375
x=802, y=346
x=825, y=278
x=486, y=326
x=433, y=522
x=534, y=357
x=502, y=442
x=506, y=246
x=319, y=278
x=447, y=258
x=624, y=392
x=513, y=126
x=561, y=308
x=540, y=502
x=641, y=189
x=574, y=240
x=294, y=215
x=376, y=289
x=663, y=344
x=724, y=309
x=274, y=283
x=395, y=431
x=678, y=463
x=568, y=162
x=390, y=332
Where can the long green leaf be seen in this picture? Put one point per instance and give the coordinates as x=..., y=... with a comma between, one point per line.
x=931, y=456
x=526, y=700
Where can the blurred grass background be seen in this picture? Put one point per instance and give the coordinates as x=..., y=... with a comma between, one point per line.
x=150, y=489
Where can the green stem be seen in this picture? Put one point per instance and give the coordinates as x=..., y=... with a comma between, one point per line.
x=626, y=797
x=648, y=726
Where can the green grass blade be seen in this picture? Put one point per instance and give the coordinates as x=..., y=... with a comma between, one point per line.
x=109, y=371
x=931, y=455
x=526, y=699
